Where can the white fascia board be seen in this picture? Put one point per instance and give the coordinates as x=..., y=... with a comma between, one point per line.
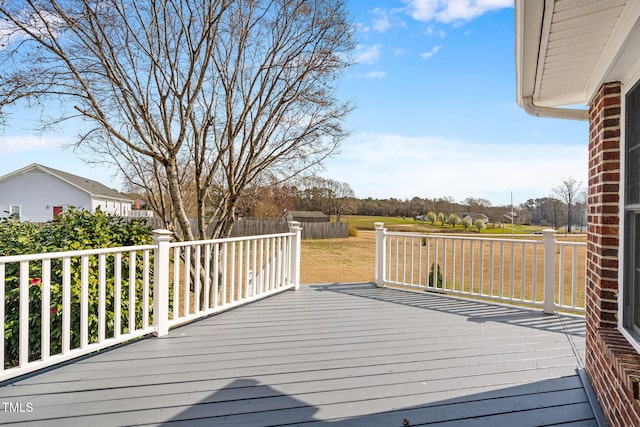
x=576, y=98
x=119, y=199
x=84, y=190
x=528, y=26
x=529, y=20
x=50, y=173
x=43, y=170
x=20, y=171
x=620, y=47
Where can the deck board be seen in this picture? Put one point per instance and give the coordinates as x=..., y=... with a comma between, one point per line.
x=349, y=354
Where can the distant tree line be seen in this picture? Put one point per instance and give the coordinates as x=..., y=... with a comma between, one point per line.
x=552, y=212
x=337, y=198
x=568, y=207
x=418, y=206
x=566, y=204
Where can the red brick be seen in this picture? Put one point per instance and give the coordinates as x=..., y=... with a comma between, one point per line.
x=611, y=360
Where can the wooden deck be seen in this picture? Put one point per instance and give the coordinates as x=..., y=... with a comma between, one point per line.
x=348, y=354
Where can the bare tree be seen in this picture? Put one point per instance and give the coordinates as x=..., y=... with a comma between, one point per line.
x=321, y=194
x=312, y=194
x=341, y=197
x=569, y=192
x=193, y=100
x=270, y=201
x=473, y=202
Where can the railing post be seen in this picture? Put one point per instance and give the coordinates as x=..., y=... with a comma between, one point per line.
x=380, y=253
x=549, y=240
x=161, y=238
x=294, y=261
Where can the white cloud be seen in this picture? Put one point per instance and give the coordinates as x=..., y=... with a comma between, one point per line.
x=381, y=21
x=375, y=75
x=432, y=52
x=436, y=32
x=45, y=24
x=360, y=27
x=370, y=75
x=393, y=165
x=5, y=34
x=384, y=18
x=448, y=11
x=368, y=54
x=423, y=10
x=15, y=144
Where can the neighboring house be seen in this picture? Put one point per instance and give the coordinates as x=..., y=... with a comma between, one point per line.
x=475, y=216
x=306, y=216
x=588, y=52
x=510, y=216
x=38, y=193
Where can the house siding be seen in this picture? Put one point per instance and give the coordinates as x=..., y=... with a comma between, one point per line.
x=37, y=193
x=612, y=363
x=115, y=207
x=306, y=216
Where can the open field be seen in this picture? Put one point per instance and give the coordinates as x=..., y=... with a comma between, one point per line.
x=352, y=260
x=339, y=260
x=504, y=267
x=409, y=224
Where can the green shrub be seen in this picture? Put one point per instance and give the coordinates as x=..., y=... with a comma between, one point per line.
x=74, y=230
x=353, y=232
x=438, y=281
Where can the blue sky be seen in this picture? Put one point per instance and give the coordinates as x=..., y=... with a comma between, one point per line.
x=435, y=116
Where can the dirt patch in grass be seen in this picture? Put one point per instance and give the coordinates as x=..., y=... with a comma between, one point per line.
x=338, y=260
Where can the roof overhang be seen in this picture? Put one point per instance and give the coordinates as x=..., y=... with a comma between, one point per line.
x=53, y=172
x=566, y=49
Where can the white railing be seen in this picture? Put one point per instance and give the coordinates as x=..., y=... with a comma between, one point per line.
x=247, y=268
x=61, y=305
x=544, y=273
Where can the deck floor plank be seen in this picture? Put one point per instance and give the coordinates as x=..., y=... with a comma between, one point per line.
x=331, y=354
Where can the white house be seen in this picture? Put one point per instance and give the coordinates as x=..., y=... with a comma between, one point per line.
x=38, y=193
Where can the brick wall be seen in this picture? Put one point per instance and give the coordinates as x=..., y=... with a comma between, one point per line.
x=612, y=363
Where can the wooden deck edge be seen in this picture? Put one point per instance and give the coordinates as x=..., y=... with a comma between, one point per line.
x=479, y=298
x=591, y=396
x=57, y=363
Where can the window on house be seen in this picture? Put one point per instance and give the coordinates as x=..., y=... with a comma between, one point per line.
x=631, y=266
x=15, y=211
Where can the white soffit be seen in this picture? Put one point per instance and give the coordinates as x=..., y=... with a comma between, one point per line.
x=580, y=42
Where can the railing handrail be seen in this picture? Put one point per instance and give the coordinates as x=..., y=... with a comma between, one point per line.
x=229, y=239
x=123, y=249
x=567, y=243
x=483, y=238
x=140, y=283
x=458, y=237
x=73, y=254
x=484, y=267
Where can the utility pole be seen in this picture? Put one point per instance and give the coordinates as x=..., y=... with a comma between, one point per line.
x=512, y=215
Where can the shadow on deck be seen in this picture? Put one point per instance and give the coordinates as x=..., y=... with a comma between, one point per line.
x=343, y=354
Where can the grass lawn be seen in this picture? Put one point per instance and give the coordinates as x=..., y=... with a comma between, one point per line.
x=353, y=259
x=409, y=224
x=338, y=260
